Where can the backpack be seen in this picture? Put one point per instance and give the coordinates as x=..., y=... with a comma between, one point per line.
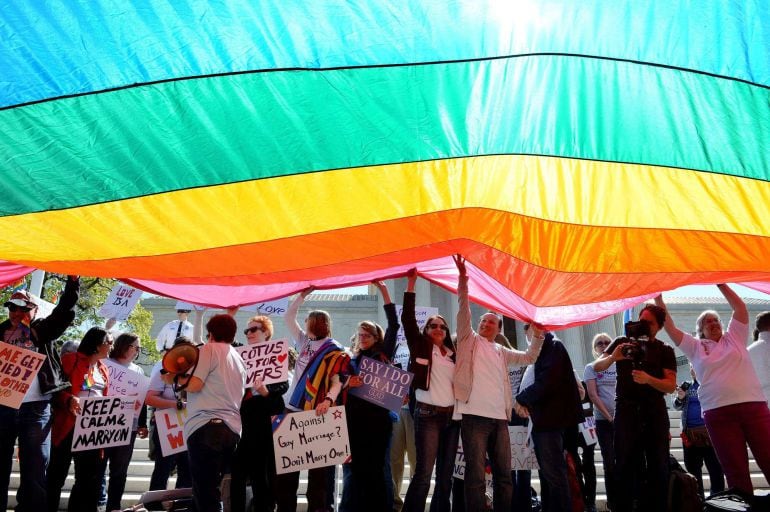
x=683, y=494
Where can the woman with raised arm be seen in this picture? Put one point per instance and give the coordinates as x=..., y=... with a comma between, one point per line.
x=432, y=360
x=318, y=376
x=734, y=408
x=254, y=456
x=369, y=425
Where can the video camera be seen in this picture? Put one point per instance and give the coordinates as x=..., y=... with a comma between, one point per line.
x=637, y=334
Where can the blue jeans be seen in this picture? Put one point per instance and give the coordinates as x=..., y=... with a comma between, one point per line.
x=482, y=436
x=554, y=484
x=31, y=424
x=164, y=466
x=605, y=433
x=119, y=457
x=436, y=437
x=210, y=450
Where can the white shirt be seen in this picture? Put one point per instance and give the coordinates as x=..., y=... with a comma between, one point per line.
x=759, y=353
x=487, y=398
x=442, y=372
x=167, y=334
x=724, y=369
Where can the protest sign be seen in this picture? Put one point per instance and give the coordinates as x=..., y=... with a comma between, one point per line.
x=120, y=302
x=303, y=440
x=522, y=449
x=125, y=382
x=421, y=314
x=383, y=384
x=103, y=421
x=275, y=307
x=18, y=369
x=170, y=425
x=588, y=429
x=268, y=361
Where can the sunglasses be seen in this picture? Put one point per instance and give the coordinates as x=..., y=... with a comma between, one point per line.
x=602, y=343
x=251, y=330
x=437, y=326
x=13, y=308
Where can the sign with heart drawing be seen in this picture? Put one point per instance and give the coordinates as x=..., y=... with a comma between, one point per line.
x=267, y=362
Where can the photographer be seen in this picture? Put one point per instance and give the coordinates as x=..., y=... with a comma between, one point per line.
x=646, y=371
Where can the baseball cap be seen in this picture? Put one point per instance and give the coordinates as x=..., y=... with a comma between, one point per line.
x=22, y=299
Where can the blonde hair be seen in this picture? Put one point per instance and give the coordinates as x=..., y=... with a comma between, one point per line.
x=600, y=336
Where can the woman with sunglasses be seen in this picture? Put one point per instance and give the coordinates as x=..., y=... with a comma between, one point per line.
x=254, y=457
x=369, y=425
x=124, y=352
x=88, y=377
x=601, y=391
x=432, y=360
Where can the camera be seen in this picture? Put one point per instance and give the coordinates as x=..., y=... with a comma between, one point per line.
x=637, y=333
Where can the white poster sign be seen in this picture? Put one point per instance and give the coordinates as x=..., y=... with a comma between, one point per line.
x=303, y=440
x=18, y=369
x=128, y=383
x=522, y=450
x=588, y=429
x=104, y=421
x=459, y=471
x=170, y=425
x=120, y=302
x=268, y=361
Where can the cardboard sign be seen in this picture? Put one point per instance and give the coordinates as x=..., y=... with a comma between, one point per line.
x=275, y=307
x=104, y=421
x=268, y=361
x=383, y=384
x=170, y=425
x=120, y=302
x=522, y=450
x=588, y=429
x=303, y=440
x=18, y=369
x=420, y=313
x=127, y=383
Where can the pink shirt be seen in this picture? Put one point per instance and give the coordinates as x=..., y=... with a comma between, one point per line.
x=724, y=369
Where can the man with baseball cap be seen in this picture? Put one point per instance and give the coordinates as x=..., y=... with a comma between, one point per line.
x=31, y=423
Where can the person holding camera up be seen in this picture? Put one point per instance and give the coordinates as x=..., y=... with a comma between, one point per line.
x=646, y=372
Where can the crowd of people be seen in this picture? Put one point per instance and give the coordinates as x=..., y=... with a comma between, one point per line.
x=467, y=390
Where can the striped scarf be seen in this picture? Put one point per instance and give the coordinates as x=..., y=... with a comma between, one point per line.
x=330, y=359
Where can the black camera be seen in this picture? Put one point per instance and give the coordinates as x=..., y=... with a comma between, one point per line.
x=637, y=333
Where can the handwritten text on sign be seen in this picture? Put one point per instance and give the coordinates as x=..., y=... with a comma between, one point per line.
x=170, y=425
x=120, y=302
x=103, y=422
x=522, y=451
x=383, y=384
x=18, y=368
x=303, y=440
x=125, y=382
x=268, y=361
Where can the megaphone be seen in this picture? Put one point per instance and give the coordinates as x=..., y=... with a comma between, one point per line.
x=179, y=359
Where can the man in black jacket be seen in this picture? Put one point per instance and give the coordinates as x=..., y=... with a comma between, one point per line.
x=552, y=401
x=31, y=423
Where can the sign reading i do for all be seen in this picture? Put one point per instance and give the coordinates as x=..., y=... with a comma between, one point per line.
x=383, y=384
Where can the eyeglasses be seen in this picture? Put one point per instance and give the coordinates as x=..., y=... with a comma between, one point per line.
x=437, y=326
x=13, y=308
x=251, y=330
x=602, y=343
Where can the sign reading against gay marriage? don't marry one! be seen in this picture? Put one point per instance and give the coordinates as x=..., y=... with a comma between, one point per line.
x=382, y=384
x=303, y=440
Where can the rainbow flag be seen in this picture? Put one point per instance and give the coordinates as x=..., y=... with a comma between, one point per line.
x=581, y=155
